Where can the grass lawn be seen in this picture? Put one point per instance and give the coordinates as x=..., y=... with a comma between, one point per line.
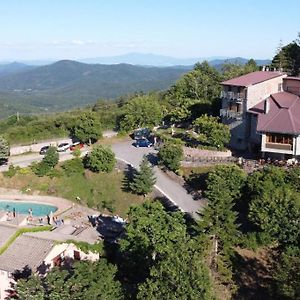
x=98, y=190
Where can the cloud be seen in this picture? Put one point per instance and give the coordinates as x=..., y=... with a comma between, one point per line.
x=66, y=43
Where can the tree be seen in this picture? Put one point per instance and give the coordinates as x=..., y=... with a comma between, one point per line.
x=219, y=219
x=181, y=275
x=143, y=179
x=170, y=155
x=287, y=274
x=231, y=70
x=85, y=280
x=141, y=111
x=276, y=213
x=288, y=58
x=101, y=159
x=4, y=149
x=211, y=132
x=30, y=288
x=194, y=93
x=87, y=128
x=151, y=235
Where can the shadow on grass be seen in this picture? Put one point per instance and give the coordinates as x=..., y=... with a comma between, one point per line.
x=252, y=277
x=128, y=177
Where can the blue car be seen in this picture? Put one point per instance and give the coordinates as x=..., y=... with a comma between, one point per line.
x=143, y=143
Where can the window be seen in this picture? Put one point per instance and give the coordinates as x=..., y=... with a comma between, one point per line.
x=279, y=138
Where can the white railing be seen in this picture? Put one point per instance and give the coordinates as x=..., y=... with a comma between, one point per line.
x=233, y=96
x=230, y=114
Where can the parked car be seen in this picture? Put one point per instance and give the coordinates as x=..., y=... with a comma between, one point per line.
x=44, y=150
x=63, y=147
x=76, y=145
x=143, y=143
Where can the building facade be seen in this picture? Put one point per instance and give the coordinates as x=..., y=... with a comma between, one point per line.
x=238, y=96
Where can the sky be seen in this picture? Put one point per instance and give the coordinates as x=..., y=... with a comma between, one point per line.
x=73, y=29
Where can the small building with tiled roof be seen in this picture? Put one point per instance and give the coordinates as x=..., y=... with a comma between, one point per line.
x=37, y=255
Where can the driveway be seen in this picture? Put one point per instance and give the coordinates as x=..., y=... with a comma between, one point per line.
x=176, y=193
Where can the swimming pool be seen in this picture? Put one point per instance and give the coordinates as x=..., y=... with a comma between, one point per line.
x=22, y=207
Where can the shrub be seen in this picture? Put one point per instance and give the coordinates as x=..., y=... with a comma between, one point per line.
x=12, y=171
x=211, y=132
x=47, y=164
x=170, y=155
x=101, y=159
x=73, y=166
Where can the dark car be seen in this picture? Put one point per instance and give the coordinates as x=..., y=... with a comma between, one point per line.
x=44, y=150
x=143, y=143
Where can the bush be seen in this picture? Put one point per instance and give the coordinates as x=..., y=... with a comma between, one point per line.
x=73, y=166
x=101, y=159
x=211, y=132
x=47, y=164
x=170, y=156
x=12, y=171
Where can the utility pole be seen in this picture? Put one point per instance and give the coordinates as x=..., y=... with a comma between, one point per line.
x=18, y=116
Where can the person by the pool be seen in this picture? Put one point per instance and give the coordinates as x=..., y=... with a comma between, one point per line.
x=14, y=212
x=48, y=219
x=30, y=212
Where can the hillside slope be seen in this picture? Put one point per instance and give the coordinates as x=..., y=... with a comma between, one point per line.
x=66, y=84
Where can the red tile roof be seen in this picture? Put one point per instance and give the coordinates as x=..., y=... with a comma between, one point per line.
x=283, y=115
x=252, y=78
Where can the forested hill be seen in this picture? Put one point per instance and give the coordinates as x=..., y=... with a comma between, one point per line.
x=67, y=84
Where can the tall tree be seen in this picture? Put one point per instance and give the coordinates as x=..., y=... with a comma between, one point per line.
x=4, y=149
x=219, y=219
x=151, y=235
x=143, y=179
x=276, y=213
x=87, y=128
x=194, y=93
x=288, y=58
x=141, y=111
x=181, y=275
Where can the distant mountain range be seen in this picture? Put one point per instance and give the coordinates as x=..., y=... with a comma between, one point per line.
x=149, y=59
x=66, y=84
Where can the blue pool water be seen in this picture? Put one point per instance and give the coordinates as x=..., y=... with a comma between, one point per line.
x=38, y=210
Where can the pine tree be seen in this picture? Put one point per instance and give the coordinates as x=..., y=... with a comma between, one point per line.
x=219, y=220
x=144, y=179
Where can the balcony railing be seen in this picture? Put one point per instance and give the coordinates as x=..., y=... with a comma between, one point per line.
x=278, y=146
x=230, y=114
x=293, y=90
x=238, y=97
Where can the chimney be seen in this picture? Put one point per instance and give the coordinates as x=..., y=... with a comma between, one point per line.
x=267, y=106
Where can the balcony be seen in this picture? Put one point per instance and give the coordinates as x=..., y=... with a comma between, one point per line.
x=278, y=146
x=237, y=97
x=230, y=114
x=293, y=90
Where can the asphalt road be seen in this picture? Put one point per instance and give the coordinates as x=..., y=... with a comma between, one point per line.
x=177, y=194
x=129, y=154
